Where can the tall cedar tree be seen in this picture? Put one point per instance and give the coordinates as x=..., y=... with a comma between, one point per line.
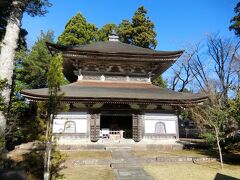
x=236, y=21
x=125, y=30
x=78, y=32
x=10, y=40
x=104, y=32
x=140, y=31
x=35, y=65
x=30, y=72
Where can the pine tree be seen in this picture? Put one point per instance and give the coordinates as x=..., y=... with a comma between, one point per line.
x=78, y=31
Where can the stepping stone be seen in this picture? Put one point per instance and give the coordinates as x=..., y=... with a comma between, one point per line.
x=132, y=174
x=129, y=168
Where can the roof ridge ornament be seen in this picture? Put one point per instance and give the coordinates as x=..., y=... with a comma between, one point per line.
x=113, y=36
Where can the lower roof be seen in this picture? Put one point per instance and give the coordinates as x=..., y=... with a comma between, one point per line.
x=116, y=92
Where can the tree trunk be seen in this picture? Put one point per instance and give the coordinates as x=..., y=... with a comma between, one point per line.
x=47, y=157
x=8, y=48
x=219, y=147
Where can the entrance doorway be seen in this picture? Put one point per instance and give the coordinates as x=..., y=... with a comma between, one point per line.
x=117, y=123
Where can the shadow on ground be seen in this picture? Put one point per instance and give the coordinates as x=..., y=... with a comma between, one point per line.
x=202, y=148
x=30, y=164
x=223, y=177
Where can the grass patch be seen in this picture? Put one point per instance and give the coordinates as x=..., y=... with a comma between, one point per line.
x=88, y=172
x=173, y=153
x=189, y=171
x=76, y=155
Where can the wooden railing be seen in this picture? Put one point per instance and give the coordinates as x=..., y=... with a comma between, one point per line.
x=116, y=134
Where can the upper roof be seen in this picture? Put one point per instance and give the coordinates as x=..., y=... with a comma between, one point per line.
x=111, y=53
x=117, y=92
x=114, y=47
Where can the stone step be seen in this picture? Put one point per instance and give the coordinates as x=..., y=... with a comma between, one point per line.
x=118, y=148
x=125, y=165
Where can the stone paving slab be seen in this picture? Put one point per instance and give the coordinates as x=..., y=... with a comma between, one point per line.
x=132, y=174
x=131, y=169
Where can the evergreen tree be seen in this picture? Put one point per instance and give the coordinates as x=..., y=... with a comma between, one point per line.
x=140, y=31
x=160, y=82
x=78, y=31
x=13, y=12
x=32, y=71
x=236, y=20
x=125, y=30
x=143, y=30
x=54, y=78
x=233, y=109
x=104, y=32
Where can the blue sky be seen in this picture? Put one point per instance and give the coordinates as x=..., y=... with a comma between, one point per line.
x=177, y=23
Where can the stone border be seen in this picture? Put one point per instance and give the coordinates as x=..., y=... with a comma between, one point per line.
x=137, y=146
x=123, y=162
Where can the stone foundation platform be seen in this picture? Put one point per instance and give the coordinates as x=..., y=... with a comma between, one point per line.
x=162, y=145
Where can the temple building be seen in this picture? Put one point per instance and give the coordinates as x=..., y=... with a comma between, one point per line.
x=111, y=94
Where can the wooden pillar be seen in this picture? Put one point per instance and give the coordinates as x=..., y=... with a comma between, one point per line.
x=177, y=125
x=137, y=127
x=94, y=127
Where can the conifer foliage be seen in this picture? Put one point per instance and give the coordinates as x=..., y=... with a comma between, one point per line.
x=140, y=31
x=54, y=79
x=77, y=32
x=236, y=21
x=104, y=32
x=35, y=65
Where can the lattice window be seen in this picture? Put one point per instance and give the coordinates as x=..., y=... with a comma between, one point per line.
x=160, y=128
x=70, y=127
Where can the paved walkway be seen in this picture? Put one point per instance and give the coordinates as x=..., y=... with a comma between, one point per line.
x=130, y=169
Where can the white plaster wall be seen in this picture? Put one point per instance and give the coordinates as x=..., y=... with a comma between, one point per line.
x=152, y=118
x=80, y=119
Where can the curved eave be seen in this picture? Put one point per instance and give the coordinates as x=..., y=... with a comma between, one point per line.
x=69, y=99
x=77, y=52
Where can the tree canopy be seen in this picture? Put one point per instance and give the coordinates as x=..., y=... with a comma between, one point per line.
x=160, y=82
x=140, y=31
x=11, y=13
x=35, y=65
x=236, y=20
x=78, y=31
x=32, y=8
x=104, y=32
